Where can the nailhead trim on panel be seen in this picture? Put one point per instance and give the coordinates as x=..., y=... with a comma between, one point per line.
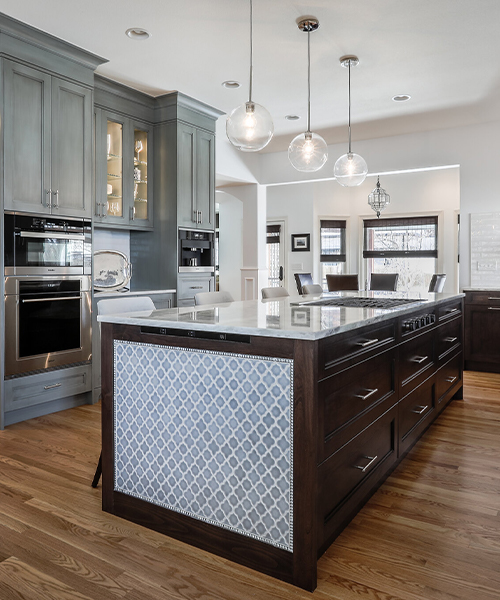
x=208, y=435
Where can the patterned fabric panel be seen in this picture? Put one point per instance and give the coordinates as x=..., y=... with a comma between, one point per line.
x=208, y=435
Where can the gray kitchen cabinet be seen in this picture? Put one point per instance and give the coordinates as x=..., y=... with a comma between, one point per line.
x=123, y=172
x=48, y=143
x=196, y=183
x=188, y=285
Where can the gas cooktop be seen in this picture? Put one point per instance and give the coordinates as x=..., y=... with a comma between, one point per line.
x=363, y=302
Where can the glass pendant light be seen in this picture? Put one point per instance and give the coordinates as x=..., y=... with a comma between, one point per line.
x=350, y=169
x=379, y=199
x=308, y=151
x=250, y=127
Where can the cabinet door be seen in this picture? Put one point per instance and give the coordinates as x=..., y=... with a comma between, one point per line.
x=186, y=156
x=482, y=331
x=71, y=149
x=141, y=214
x=26, y=138
x=205, y=179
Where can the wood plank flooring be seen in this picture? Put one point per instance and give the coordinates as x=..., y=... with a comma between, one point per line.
x=431, y=532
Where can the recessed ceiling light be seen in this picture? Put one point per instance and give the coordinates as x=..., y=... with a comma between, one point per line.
x=231, y=85
x=292, y=117
x=137, y=33
x=401, y=98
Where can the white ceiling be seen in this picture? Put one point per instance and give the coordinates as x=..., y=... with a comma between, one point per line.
x=444, y=53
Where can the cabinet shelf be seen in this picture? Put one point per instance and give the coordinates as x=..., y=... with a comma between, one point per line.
x=140, y=162
x=113, y=196
x=113, y=156
x=113, y=176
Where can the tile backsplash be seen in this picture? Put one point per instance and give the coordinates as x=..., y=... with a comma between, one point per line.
x=106, y=239
x=485, y=250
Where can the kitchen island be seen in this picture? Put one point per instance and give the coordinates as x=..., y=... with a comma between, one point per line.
x=256, y=430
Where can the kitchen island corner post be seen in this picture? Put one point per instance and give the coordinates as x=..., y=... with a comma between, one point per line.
x=107, y=370
x=305, y=460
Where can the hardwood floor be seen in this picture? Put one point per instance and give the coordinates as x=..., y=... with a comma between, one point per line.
x=432, y=531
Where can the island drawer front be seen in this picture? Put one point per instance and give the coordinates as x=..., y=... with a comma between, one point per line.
x=363, y=391
x=449, y=338
x=448, y=376
x=22, y=392
x=414, y=410
x=449, y=310
x=490, y=298
x=416, y=357
x=358, y=464
x=359, y=343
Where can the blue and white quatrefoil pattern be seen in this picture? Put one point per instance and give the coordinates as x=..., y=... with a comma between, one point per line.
x=208, y=435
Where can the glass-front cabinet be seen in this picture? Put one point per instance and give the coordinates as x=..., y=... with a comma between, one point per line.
x=123, y=186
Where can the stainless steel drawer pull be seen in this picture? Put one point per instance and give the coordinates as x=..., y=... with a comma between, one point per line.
x=450, y=379
x=493, y=307
x=419, y=359
x=50, y=387
x=420, y=409
x=450, y=339
x=51, y=299
x=367, y=343
x=493, y=298
x=372, y=459
x=370, y=393
x=451, y=310
x=196, y=287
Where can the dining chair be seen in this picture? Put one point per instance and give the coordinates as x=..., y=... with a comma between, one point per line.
x=302, y=279
x=345, y=282
x=312, y=288
x=436, y=284
x=274, y=292
x=111, y=306
x=384, y=282
x=212, y=298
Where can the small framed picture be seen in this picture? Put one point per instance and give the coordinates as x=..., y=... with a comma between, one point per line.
x=301, y=317
x=301, y=242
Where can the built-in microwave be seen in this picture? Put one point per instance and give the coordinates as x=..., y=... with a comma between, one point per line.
x=47, y=245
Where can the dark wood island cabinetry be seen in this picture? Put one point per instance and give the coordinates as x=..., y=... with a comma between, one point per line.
x=482, y=330
x=233, y=429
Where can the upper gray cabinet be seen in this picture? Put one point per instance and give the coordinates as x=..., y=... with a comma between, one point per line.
x=196, y=183
x=47, y=143
x=124, y=156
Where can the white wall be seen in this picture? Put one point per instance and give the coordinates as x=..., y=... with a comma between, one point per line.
x=435, y=192
x=230, y=243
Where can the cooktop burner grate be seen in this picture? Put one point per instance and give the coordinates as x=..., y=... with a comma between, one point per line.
x=363, y=302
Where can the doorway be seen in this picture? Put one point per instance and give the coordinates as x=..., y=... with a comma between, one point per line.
x=275, y=254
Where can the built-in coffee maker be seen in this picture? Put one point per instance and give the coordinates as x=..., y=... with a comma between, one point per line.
x=196, y=251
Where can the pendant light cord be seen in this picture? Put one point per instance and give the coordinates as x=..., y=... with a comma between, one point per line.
x=251, y=51
x=349, y=106
x=309, y=80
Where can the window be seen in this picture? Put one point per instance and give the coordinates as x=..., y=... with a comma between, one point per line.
x=332, y=248
x=407, y=246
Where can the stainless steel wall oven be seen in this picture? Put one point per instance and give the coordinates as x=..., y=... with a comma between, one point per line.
x=47, y=293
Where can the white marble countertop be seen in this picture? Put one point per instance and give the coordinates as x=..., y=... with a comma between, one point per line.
x=289, y=317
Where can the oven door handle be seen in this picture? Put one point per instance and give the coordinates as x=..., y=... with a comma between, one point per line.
x=52, y=299
x=52, y=235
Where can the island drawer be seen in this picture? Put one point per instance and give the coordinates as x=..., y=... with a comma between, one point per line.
x=414, y=413
x=416, y=357
x=448, y=376
x=449, y=337
x=449, y=310
x=347, y=477
x=358, y=343
x=353, y=398
x=490, y=298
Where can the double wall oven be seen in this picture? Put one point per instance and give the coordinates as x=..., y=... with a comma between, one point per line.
x=47, y=293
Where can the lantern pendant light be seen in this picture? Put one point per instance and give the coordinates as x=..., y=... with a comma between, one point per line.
x=308, y=151
x=250, y=127
x=350, y=169
x=379, y=199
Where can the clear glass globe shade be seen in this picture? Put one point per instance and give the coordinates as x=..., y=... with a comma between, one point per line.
x=350, y=169
x=249, y=127
x=308, y=152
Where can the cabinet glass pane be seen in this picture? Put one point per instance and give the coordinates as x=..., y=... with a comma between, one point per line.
x=115, y=169
x=140, y=174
